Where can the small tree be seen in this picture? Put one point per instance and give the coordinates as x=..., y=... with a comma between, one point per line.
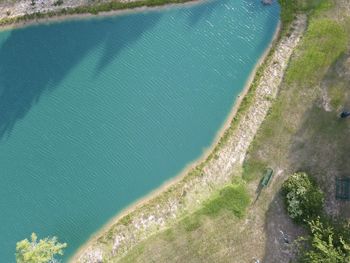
x=42, y=251
x=303, y=198
x=326, y=244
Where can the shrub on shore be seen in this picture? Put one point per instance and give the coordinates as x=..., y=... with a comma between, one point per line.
x=328, y=240
x=326, y=243
x=303, y=198
x=39, y=251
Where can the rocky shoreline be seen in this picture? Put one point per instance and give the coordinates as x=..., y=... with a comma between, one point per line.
x=20, y=13
x=11, y=9
x=188, y=192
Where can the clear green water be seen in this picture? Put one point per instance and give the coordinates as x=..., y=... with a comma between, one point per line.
x=94, y=114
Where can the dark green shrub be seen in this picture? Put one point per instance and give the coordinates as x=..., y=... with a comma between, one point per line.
x=303, y=198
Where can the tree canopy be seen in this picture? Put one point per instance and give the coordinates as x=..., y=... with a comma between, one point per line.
x=326, y=244
x=42, y=251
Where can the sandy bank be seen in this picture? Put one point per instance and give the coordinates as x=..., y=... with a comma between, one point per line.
x=211, y=172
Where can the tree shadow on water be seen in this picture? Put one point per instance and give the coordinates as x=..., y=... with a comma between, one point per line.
x=122, y=31
x=35, y=59
x=204, y=10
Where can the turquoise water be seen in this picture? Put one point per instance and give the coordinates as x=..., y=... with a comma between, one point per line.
x=94, y=114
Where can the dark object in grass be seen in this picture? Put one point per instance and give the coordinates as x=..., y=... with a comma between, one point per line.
x=344, y=114
x=342, y=188
x=267, y=177
x=285, y=237
x=263, y=182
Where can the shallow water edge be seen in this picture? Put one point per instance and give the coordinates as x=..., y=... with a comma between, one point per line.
x=189, y=178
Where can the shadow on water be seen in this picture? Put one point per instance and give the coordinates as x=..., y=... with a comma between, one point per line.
x=204, y=10
x=120, y=35
x=114, y=43
x=35, y=59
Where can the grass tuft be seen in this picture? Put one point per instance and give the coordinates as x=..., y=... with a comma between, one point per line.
x=233, y=198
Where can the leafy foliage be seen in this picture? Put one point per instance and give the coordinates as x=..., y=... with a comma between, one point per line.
x=42, y=251
x=326, y=244
x=304, y=199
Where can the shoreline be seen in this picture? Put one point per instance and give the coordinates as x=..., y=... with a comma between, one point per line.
x=180, y=177
x=59, y=16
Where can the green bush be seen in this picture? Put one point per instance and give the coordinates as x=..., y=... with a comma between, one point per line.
x=326, y=244
x=39, y=251
x=303, y=198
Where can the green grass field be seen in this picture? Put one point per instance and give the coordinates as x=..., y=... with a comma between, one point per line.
x=302, y=132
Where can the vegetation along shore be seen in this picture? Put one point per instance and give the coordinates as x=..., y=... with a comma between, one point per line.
x=288, y=121
x=187, y=194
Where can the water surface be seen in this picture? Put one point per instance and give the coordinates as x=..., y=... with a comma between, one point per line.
x=94, y=114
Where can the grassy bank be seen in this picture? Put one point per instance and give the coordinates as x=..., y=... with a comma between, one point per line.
x=194, y=238
x=326, y=39
x=301, y=132
x=93, y=8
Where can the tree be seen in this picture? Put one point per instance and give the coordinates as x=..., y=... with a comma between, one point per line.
x=42, y=251
x=326, y=244
x=303, y=198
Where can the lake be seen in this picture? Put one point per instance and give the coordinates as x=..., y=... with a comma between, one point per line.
x=97, y=113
